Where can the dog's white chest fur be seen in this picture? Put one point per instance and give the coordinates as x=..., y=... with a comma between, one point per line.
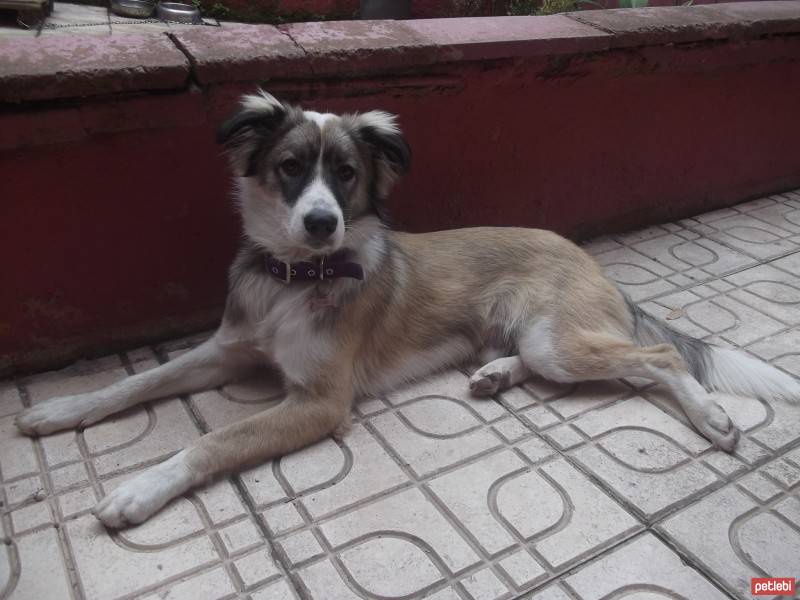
x=299, y=348
x=279, y=326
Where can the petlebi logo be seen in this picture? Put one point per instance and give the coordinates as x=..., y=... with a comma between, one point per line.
x=772, y=586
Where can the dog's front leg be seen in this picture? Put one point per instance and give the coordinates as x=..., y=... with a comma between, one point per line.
x=209, y=365
x=304, y=417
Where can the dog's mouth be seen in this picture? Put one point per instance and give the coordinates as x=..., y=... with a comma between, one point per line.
x=318, y=248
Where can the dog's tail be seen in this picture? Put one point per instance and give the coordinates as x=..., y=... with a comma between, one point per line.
x=717, y=369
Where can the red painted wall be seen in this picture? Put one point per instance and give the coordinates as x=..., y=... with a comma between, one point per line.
x=121, y=232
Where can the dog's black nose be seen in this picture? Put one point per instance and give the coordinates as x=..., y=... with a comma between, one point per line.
x=320, y=224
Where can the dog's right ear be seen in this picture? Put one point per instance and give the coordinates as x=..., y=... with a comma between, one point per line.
x=245, y=133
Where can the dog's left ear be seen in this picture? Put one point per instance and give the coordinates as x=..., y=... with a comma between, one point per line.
x=390, y=151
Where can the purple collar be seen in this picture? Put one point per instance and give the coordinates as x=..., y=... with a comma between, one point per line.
x=333, y=266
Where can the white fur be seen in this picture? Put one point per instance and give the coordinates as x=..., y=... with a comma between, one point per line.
x=500, y=373
x=319, y=118
x=700, y=406
x=138, y=498
x=298, y=347
x=380, y=120
x=65, y=413
x=366, y=239
x=735, y=372
x=538, y=352
x=261, y=102
x=317, y=196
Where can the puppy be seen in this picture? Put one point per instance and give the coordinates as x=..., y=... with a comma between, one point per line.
x=345, y=308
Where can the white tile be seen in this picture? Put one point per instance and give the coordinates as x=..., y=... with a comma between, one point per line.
x=240, y=536
x=43, y=575
x=730, y=535
x=214, y=583
x=282, y=518
x=256, y=567
x=132, y=567
x=10, y=401
x=17, y=456
x=644, y=564
x=300, y=547
x=484, y=585
x=410, y=513
x=364, y=470
x=523, y=569
x=427, y=452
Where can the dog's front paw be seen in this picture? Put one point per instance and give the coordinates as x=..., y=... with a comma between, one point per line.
x=59, y=413
x=139, y=498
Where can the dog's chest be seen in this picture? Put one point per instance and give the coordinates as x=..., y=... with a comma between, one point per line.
x=286, y=331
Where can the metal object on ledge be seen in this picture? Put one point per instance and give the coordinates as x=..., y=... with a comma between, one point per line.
x=178, y=12
x=133, y=8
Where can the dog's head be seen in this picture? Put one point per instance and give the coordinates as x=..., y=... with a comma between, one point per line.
x=309, y=181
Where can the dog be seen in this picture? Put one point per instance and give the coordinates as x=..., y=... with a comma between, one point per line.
x=346, y=308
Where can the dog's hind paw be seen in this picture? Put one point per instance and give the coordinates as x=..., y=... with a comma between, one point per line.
x=718, y=428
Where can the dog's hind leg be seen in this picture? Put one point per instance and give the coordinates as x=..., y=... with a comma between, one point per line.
x=304, y=417
x=577, y=355
x=498, y=375
x=204, y=367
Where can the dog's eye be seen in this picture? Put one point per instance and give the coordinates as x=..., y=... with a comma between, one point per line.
x=346, y=173
x=291, y=167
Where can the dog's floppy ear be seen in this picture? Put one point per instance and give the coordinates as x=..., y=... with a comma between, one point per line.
x=390, y=151
x=245, y=133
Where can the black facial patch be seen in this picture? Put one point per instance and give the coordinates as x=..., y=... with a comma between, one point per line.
x=302, y=144
x=332, y=161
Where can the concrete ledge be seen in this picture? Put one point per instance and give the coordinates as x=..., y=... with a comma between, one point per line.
x=348, y=48
x=247, y=52
x=491, y=38
x=78, y=66
x=75, y=66
x=679, y=24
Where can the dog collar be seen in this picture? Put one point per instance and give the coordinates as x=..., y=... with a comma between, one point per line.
x=328, y=267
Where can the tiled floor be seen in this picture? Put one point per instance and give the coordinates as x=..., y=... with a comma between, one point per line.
x=548, y=492
x=81, y=19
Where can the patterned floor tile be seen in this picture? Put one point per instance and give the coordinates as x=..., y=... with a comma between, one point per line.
x=643, y=568
x=751, y=529
x=548, y=491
